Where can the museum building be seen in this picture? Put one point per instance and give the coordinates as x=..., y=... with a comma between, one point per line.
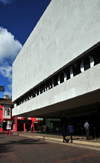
x=56, y=75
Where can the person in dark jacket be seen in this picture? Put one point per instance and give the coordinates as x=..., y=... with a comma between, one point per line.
x=64, y=131
x=70, y=129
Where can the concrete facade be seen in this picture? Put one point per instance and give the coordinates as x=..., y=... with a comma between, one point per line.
x=64, y=32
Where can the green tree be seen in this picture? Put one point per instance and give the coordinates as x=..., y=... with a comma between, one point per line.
x=2, y=88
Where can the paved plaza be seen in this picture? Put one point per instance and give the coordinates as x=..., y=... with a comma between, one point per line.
x=19, y=149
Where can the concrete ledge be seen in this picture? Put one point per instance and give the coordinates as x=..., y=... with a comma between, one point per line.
x=95, y=145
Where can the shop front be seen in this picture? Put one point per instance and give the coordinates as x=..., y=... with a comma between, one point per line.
x=78, y=116
x=24, y=125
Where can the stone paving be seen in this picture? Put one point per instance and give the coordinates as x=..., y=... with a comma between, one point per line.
x=18, y=149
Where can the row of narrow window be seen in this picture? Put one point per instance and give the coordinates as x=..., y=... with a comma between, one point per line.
x=67, y=73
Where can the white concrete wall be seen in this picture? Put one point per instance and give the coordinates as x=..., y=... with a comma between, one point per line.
x=66, y=29
x=79, y=85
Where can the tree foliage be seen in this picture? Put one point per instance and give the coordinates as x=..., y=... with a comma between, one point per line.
x=2, y=89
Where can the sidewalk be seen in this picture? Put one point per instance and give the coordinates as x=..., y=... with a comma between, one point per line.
x=21, y=149
x=77, y=140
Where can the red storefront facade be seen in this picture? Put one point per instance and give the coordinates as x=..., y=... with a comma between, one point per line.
x=18, y=123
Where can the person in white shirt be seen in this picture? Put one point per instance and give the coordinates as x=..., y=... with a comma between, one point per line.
x=9, y=127
x=86, y=126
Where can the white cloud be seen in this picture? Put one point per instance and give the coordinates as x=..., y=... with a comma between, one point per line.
x=6, y=71
x=9, y=86
x=9, y=47
x=7, y=1
x=7, y=93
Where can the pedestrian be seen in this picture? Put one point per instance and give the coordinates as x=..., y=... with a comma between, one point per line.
x=9, y=127
x=70, y=130
x=64, y=132
x=86, y=126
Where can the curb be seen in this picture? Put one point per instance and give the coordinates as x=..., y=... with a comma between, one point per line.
x=81, y=144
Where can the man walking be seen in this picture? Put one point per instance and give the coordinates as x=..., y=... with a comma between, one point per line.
x=70, y=129
x=64, y=131
x=86, y=126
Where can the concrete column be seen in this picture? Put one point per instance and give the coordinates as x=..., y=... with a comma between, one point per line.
x=24, y=126
x=33, y=120
x=15, y=124
x=1, y=118
x=33, y=126
x=98, y=116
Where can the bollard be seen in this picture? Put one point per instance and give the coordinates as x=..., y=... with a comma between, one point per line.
x=82, y=133
x=99, y=133
x=43, y=138
x=94, y=133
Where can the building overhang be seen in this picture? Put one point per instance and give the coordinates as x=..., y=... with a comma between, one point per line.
x=81, y=90
x=54, y=111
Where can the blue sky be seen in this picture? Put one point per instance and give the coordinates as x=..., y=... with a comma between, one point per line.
x=17, y=20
